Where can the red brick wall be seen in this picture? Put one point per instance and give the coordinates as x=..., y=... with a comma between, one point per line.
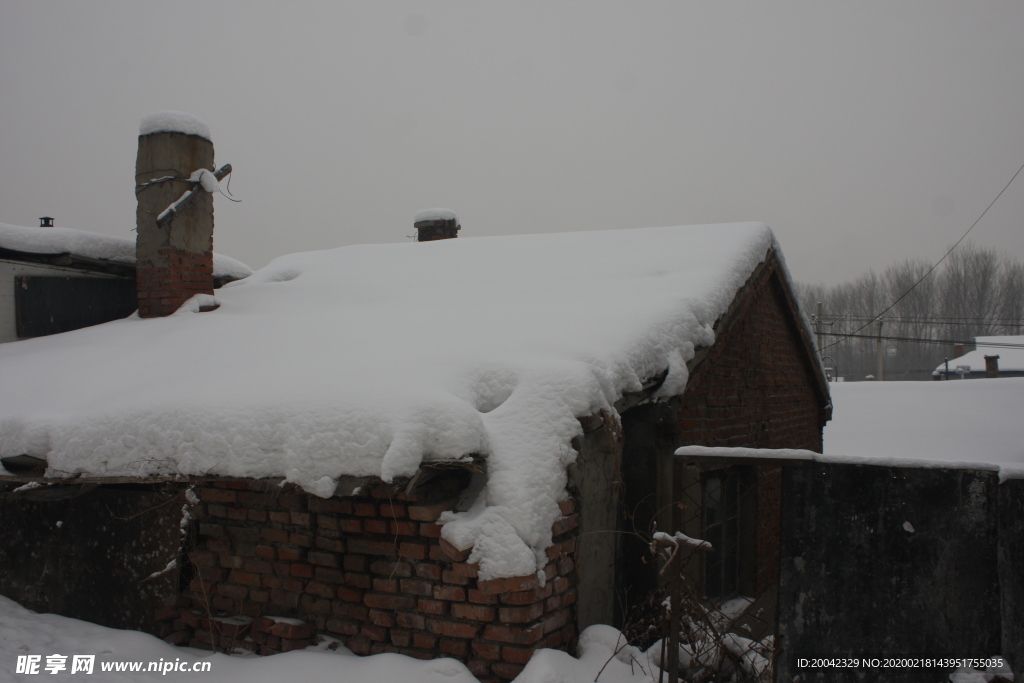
x=373, y=572
x=162, y=290
x=756, y=389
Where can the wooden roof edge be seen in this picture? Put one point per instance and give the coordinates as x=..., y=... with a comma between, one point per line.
x=347, y=484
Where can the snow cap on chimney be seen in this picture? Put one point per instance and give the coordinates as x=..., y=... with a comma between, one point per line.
x=436, y=224
x=171, y=121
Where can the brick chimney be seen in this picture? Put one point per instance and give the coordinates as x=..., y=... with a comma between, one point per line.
x=991, y=367
x=958, y=350
x=436, y=224
x=174, y=261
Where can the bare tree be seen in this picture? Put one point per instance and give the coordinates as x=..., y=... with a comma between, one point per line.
x=975, y=292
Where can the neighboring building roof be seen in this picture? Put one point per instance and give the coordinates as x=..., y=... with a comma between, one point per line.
x=964, y=425
x=93, y=245
x=370, y=359
x=972, y=424
x=1011, y=358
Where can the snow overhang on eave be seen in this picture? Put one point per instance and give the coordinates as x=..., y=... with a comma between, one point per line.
x=70, y=260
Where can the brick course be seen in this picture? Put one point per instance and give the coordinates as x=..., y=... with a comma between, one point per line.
x=162, y=290
x=377, y=588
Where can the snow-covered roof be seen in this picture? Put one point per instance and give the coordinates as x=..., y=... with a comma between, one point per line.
x=370, y=359
x=171, y=121
x=957, y=424
x=93, y=245
x=1010, y=358
x=435, y=215
x=968, y=424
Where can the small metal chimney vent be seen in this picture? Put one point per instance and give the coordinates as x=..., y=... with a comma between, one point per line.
x=46, y=221
x=436, y=224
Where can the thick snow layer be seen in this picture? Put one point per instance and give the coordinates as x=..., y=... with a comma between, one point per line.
x=367, y=360
x=435, y=215
x=94, y=245
x=969, y=424
x=1009, y=358
x=171, y=121
x=23, y=632
x=973, y=422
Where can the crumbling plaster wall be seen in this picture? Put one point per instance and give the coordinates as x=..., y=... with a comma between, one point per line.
x=89, y=556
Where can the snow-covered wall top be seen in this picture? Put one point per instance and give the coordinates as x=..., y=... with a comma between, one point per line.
x=369, y=359
x=435, y=215
x=963, y=423
x=171, y=121
x=96, y=246
x=1009, y=358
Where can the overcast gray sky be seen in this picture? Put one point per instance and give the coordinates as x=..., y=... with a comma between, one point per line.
x=862, y=132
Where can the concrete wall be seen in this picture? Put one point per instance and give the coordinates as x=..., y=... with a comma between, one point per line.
x=595, y=481
x=11, y=269
x=89, y=556
x=1011, y=570
x=892, y=561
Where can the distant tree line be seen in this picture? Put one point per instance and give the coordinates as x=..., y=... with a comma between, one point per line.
x=974, y=292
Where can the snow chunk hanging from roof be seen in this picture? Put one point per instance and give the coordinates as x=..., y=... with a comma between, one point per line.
x=435, y=215
x=171, y=121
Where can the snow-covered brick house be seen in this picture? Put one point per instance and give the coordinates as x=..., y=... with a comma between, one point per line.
x=1000, y=356
x=906, y=537
x=437, y=448
x=56, y=279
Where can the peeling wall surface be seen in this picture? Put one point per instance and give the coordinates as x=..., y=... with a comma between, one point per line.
x=88, y=557
x=1011, y=570
x=885, y=561
x=596, y=476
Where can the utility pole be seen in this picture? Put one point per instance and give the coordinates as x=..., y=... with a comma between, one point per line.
x=817, y=325
x=879, y=352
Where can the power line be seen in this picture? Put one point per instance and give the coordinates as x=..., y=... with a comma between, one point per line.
x=938, y=319
x=964, y=236
x=985, y=345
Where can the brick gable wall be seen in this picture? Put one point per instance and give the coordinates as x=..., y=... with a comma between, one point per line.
x=756, y=388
